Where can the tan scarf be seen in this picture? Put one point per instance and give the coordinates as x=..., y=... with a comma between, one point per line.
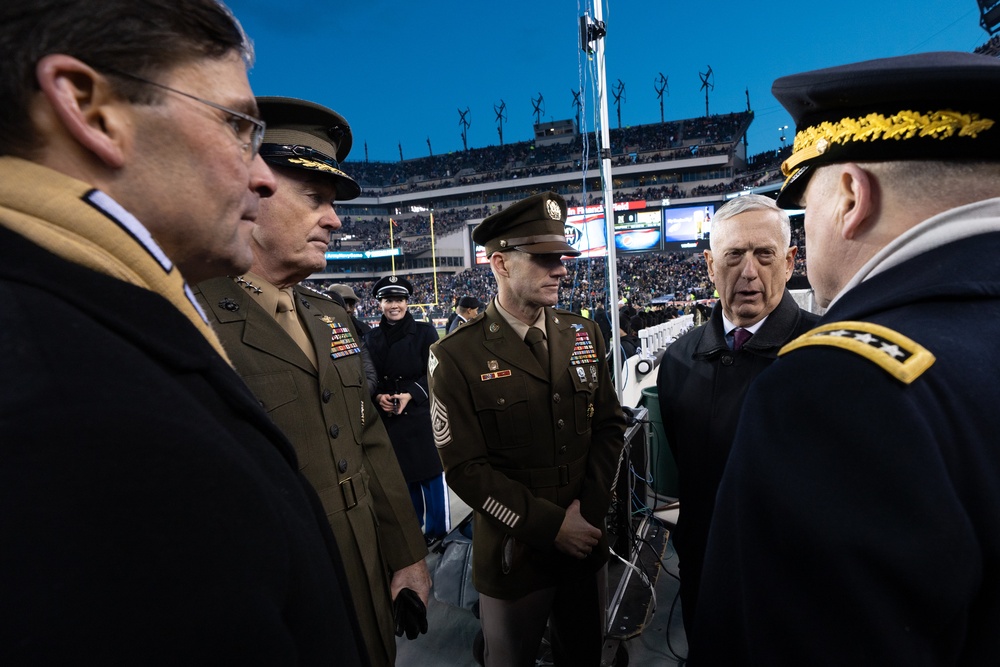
x=51, y=209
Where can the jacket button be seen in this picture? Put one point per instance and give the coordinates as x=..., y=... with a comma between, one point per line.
x=556, y=398
x=342, y=465
x=334, y=431
x=326, y=395
x=501, y=401
x=560, y=423
x=727, y=360
x=562, y=450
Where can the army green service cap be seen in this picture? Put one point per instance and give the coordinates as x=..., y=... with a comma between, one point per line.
x=306, y=135
x=535, y=225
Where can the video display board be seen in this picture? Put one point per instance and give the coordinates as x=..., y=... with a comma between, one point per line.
x=687, y=227
x=638, y=230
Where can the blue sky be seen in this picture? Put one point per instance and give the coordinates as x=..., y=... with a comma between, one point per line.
x=400, y=71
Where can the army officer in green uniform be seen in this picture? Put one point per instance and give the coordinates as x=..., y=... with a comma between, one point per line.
x=298, y=351
x=529, y=430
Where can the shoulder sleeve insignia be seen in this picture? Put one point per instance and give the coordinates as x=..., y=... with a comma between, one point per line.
x=901, y=357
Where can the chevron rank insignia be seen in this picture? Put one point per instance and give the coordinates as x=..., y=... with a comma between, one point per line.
x=901, y=357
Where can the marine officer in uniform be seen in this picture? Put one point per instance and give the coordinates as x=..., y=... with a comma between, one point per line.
x=299, y=352
x=529, y=430
x=856, y=522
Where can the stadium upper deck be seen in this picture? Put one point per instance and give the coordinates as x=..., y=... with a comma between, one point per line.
x=696, y=159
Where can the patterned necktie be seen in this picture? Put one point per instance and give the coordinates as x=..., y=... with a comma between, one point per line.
x=740, y=337
x=289, y=321
x=536, y=341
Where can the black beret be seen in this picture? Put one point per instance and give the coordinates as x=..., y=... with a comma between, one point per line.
x=926, y=106
x=306, y=135
x=469, y=302
x=535, y=225
x=392, y=286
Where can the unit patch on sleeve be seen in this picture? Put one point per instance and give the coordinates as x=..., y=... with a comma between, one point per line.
x=901, y=357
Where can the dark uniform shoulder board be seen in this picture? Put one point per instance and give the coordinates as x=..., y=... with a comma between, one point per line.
x=901, y=357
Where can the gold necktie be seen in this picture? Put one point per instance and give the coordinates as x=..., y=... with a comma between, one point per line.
x=536, y=341
x=289, y=321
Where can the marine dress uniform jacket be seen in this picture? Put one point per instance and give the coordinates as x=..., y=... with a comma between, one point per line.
x=701, y=386
x=866, y=534
x=519, y=448
x=402, y=367
x=152, y=513
x=342, y=446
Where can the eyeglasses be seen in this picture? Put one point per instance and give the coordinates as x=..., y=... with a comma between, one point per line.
x=248, y=129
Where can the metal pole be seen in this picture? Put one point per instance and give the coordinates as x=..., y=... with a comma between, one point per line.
x=609, y=205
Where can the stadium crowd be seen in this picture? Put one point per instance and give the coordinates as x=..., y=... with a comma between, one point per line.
x=640, y=144
x=674, y=280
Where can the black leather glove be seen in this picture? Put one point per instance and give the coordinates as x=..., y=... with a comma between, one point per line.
x=409, y=614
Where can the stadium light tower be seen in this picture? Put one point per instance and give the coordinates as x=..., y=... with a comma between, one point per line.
x=661, y=85
x=781, y=132
x=539, y=106
x=463, y=120
x=619, y=95
x=707, y=84
x=501, y=112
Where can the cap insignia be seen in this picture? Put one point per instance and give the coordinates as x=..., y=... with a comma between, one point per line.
x=393, y=279
x=552, y=208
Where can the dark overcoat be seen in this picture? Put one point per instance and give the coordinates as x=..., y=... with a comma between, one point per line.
x=519, y=448
x=152, y=512
x=402, y=367
x=857, y=518
x=701, y=386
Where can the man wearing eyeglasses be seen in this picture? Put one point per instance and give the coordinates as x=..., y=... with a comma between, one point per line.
x=152, y=512
x=301, y=355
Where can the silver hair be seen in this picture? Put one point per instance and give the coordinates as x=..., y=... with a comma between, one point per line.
x=735, y=207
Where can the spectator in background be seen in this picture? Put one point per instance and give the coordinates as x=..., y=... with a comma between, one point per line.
x=704, y=375
x=400, y=348
x=630, y=338
x=856, y=522
x=299, y=353
x=350, y=299
x=152, y=511
x=467, y=308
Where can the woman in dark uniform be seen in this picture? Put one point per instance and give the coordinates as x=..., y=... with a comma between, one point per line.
x=399, y=348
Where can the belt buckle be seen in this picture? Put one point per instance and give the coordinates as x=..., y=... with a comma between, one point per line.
x=350, y=497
